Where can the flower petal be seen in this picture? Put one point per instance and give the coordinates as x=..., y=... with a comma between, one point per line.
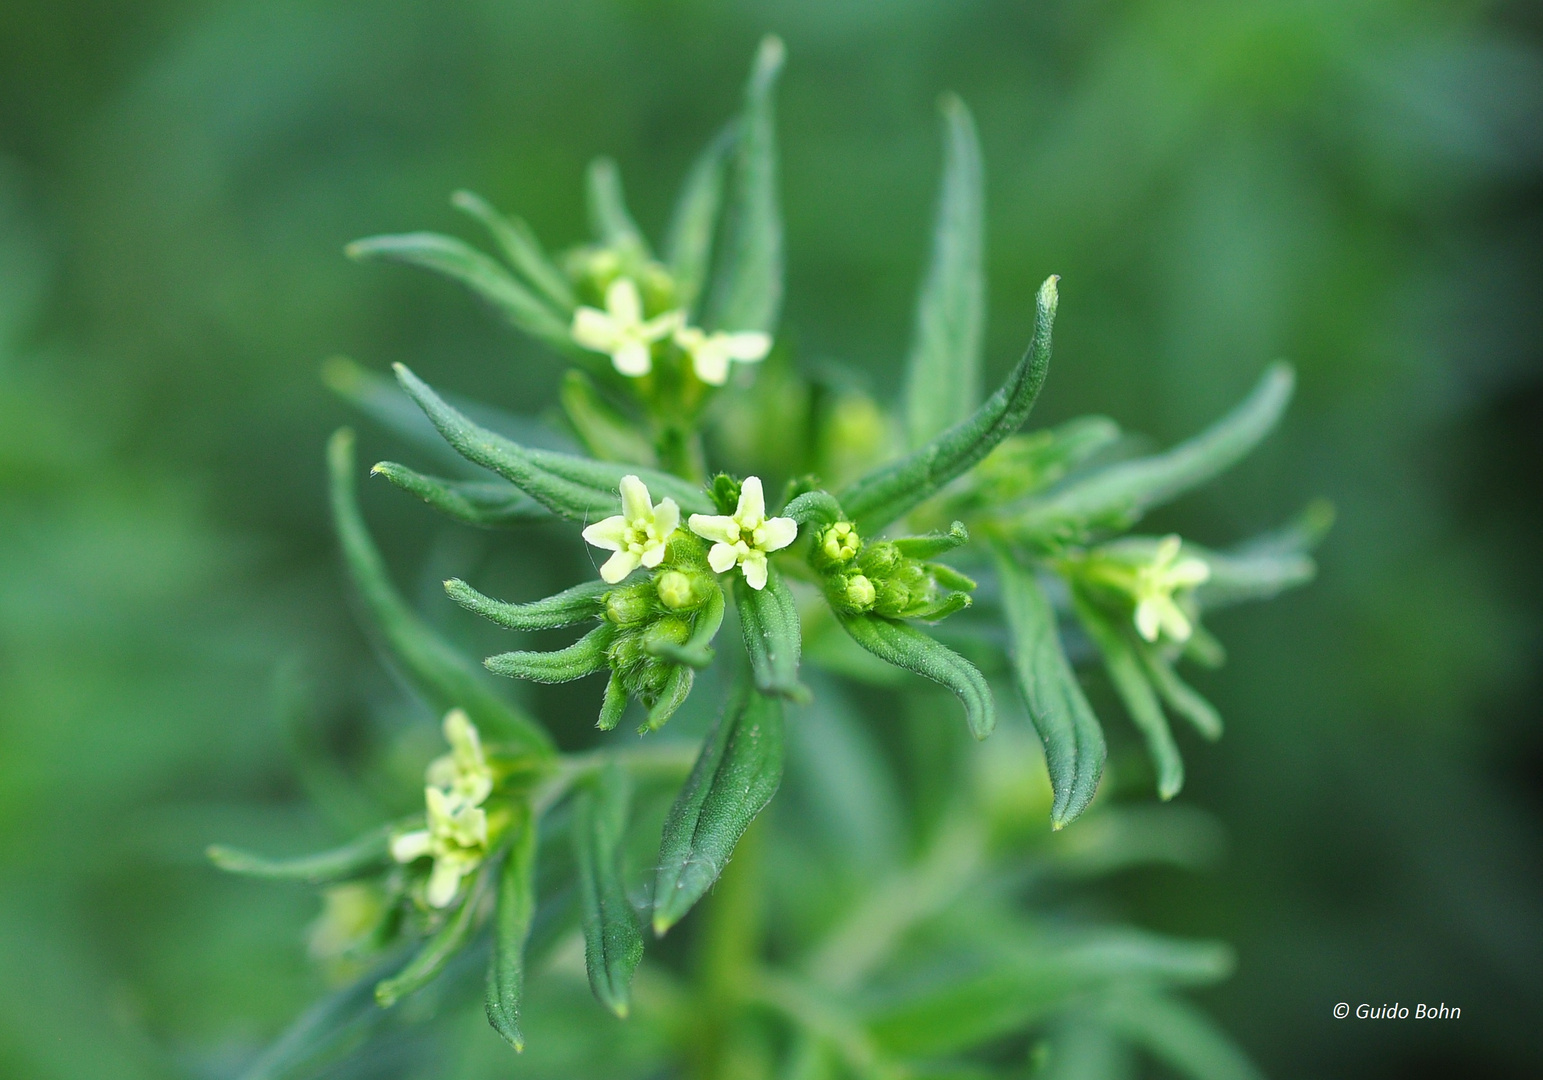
x=1175, y=622
x=635, y=504
x=752, y=503
x=748, y=346
x=653, y=555
x=444, y=882
x=619, y=566
x=725, y=530
x=1148, y=620
x=660, y=326
x=624, y=303
x=754, y=566
x=666, y=517
x=410, y=846
x=1189, y=572
x=776, y=534
x=711, y=364
x=632, y=359
x=722, y=557
x=609, y=534
x=594, y=330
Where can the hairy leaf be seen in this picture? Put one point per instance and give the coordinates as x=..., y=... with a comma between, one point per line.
x=735, y=776
x=360, y=856
x=512, y=918
x=440, y=946
x=689, y=244
x=521, y=248
x=584, y=601
x=1179, y=696
x=488, y=504
x=584, y=657
x=613, y=944
x=609, y=218
x=1074, y=742
x=1265, y=566
x=1117, y=496
x=769, y=619
x=457, y=259
x=747, y=286
x=943, y=372
x=676, y=689
x=440, y=675
x=570, y=486
x=892, y=490
x=906, y=647
x=926, y=547
x=814, y=507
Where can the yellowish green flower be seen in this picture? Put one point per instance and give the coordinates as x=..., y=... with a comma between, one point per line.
x=1154, y=586
x=456, y=839
x=745, y=537
x=620, y=330
x=638, y=535
x=463, y=773
x=711, y=353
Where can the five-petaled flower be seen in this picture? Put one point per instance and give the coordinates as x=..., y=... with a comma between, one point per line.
x=1154, y=586
x=456, y=837
x=746, y=536
x=638, y=535
x=620, y=330
x=711, y=353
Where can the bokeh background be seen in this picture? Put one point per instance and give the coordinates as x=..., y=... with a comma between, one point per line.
x=1354, y=184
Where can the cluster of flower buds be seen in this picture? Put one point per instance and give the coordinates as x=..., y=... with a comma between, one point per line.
x=892, y=578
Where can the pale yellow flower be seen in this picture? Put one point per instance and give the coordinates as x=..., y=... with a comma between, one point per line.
x=620, y=330
x=745, y=537
x=711, y=353
x=1154, y=586
x=638, y=535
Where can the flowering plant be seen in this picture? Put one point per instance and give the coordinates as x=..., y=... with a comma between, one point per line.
x=848, y=552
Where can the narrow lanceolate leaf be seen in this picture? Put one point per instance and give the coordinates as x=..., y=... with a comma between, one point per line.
x=521, y=248
x=943, y=372
x=697, y=651
x=583, y=601
x=441, y=676
x=677, y=688
x=440, y=946
x=1117, y=496
x=584, y=657
x=1129, y=679
x=488, y=504
x=814, y=508
x=688, y=246
x=573, y=487
x=1179, y=1035
x=609, y=218
x=457, y=259
x=511, y=927
x=1179, y=696
x=769, y=619
x=323, y=1034
x=933, y=544
x=735, y=776
x=906, y=647
x=379, y=397
x=1074, y=742
x=747, y=287
x=367, y=853
x=613, y=944
x=606, y=433
x=888, y=492
x=1267, y=565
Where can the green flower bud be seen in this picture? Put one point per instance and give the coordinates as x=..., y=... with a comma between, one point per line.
x=630, y=606
x=680, y=591
x=880, y=560
x=893, y=599
x=859, y=593
x=837, y=544
x=670, y=628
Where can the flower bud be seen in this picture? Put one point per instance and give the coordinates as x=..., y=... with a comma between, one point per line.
x=859, y=593
x=670, y=628
x=837, y=544
x=630, y=606
x=680, y=591
x=880, y=560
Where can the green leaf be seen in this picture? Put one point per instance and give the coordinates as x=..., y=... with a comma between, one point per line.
x=325, y=1033
x=1180, y=1036
x=688, y=246
x=613, y=944
x=488, y=504
x=1116, y=497
x=676, y=689
x=369, y=852
x=457, y=259
x=381, y=399
x=1265, y=566
x=584, y=657
x=735, y=776
x=814, y=508
x=573, y=487
x=1074, y=742
x=906, y=647
x=747, y=288
x=769, y=620
x=1179, y=695
x=1080, y=1050
x=512, y=920
x=697, y=651
x=584, y=601
x=606, y=433
x=1128, y=677
x=440, y=675
x=521, y=248
x=892, y=490
x=440, y=946
x=943, y=373
x=609, y=218
x=932, y=544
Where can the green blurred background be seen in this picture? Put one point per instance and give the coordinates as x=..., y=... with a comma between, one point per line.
x=1353, y=184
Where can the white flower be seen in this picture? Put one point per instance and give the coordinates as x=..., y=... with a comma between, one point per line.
x=746, y=536
x=620, y=331
x=463, y=773
x=638, y=535
x=456, y=839
x=711, y=353
x=1154, y=586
